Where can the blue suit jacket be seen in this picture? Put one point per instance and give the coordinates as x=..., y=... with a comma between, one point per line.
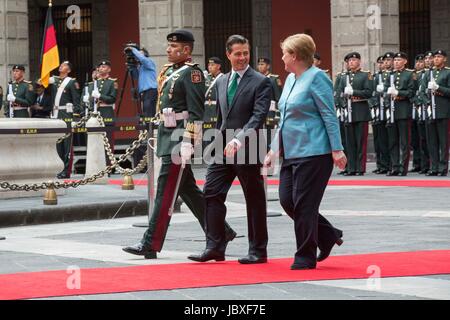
x=309, y=125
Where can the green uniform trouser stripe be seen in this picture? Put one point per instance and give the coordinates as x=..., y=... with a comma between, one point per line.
x=438, y=144
x=380, y=140
x=424, y=154
x=189, y=192
x=415, y=144
x=399, y=134
x=356, y=135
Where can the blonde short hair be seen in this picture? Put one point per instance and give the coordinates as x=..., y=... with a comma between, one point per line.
x=301, y=45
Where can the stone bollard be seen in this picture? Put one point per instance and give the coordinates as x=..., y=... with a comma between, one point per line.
x=95, y=155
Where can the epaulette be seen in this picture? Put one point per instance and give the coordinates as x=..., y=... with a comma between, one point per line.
x=447, y=68
x=26, y=81
x=366, y=71
x=113, y=79
x=274, y=75
x=191, y=64
x=167, y=65
x=410, y=70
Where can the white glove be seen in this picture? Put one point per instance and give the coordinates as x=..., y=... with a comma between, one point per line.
x=11, y=97
x=380, y=88
x=86, y=98
x=186, y=152
x=348, y=91
x=432, y=85
x=96, y=94
x=51, y=80
x=392, y=91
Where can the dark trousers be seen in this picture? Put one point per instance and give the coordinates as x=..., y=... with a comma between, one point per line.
x=302, y=185
x=423, y=145
x=148, y=100
x=438, y=144
x=380, y=140
x=399, y=134
x=65, y=148
x=165, y=192
x=219, y=179
x=415, y=144
x=343, y=137
x=356, y=134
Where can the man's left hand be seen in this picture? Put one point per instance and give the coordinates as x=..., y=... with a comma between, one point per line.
x=232, y=148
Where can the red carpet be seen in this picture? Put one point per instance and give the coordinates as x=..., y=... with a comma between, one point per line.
x=195, y=275
x=367, y=183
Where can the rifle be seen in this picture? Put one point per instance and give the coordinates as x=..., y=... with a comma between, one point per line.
x=11, y=108
x=349, y=100
x=95, y=100
x=392, y=99
x=433, y=97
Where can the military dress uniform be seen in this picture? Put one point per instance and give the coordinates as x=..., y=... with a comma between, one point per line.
x=399, y=120
x=437, y=127
x=181, y=90
x=64, y=109
x=210, y=115
x=379, y=115
x=421, y=157
x=339, y=85
x=25, y=96
x=357, y=119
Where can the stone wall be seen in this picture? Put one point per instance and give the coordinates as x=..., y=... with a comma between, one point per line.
x=440, y=24
x=157, y=18
x=13, y=37
x=351, y=31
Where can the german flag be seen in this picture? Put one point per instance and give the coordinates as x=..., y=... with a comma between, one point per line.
x=50, y=54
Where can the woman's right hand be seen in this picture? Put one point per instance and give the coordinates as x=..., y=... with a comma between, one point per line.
x=270, y=159
x=339, y=159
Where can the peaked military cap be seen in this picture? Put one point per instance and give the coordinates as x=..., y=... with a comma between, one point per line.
x=215, y=60
x=355, y=54
x=388, y=55
x=104, y=63
x=68, y=63
x=181, y=35
x=264, y=60
x=401, y=55
x=317, y=56
x=440, y=52
x=18, y=67
x=420, y=57
x=380, y=59
x=429, y=54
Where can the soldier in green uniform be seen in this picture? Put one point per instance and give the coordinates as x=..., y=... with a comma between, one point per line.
x=437, y=81
x=65, y=100
x=400, y=89
x=380, y=137
x=103, y=97
x=421, y=158
x=19, y=95
x=338, y=92
x=210, y=115
x=1, y=97
x=357, y=92
x=181, y=99
x=277, y=89
x=318, y=62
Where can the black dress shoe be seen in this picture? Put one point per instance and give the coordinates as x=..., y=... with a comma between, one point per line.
x=63, y=175
x=383, y=172
x=414, y=170
x=326, y=253
x=342, y=173
x=425, y=171
x=296, y=266
x=350, y=174
x=140, y=250
x=208, y=255
x=376, y=171
x=403, y=174
x=252, y=259
x=393, y=174
x=443, y=173
x=360, y=174
x=431, y=174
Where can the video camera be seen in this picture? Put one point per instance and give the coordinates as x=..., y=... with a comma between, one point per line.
x=130, y=58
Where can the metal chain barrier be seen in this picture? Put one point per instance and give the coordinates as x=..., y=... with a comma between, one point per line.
x=76, y=125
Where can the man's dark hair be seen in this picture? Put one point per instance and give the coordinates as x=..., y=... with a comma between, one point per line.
x=145, y=51
x=236, y=39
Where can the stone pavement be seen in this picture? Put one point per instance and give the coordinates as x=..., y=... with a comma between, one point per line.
x=374, y=219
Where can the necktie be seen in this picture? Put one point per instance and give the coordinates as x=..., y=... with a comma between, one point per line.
x=233, y=88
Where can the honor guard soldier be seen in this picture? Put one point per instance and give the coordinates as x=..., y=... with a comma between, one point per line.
x=338, y=93
x=277, y=89
x=19, y=95
x=400, y=89
x=380, y=137
x=103, y=97
x=437, y=81
x=357, y=92
x=181, y=99
x=421, y=158
x=66, y=98
x=214, y=73
x=318, y=61
x=1, y=97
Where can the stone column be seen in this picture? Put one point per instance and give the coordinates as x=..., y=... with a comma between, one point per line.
x=158, y=18
x=13, y=36
x=440, y=24
x=370, y=27
x=262, y=29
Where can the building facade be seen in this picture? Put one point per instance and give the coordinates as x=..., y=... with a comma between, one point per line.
x=371, y=27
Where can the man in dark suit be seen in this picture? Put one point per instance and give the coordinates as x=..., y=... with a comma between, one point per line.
x=243, y=100
x=42, y=107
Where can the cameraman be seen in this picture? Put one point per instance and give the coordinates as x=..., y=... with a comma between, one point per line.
x=145, y=72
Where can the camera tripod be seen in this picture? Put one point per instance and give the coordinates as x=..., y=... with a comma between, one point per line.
x=134, y=92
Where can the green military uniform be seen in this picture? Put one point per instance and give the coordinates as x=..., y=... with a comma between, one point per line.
x=399, y=120
x=421, y=157
x=379, y=116
x=437, y=127
x=339, y=85
x=64, y=109
x=181, y=87
x=210, y=115
x=277, y=89
x=25, y=96
x=357, y=119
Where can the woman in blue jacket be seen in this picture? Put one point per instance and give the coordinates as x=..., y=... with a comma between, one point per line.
x=309, y=141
